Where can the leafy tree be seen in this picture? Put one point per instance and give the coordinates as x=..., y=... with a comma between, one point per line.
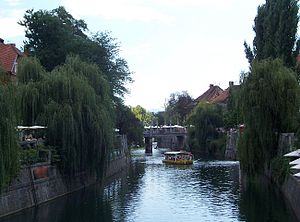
x=179, y=106
x=129, y=124
x=74, y=102
x=205, y=119
x=275, y=27
x=270, y=103
x=160, y=118
x=110, y=62
x=52, y=35
x=233, y=117
x=143, y=115
x=9, y=150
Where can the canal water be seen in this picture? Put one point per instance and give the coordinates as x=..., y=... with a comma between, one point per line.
x=152, y=191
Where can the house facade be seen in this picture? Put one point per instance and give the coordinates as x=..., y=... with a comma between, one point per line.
x=9, y=57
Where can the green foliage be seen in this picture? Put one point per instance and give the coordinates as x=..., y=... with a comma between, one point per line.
x=216, y=147
x=4, y=77
x=178, y=107
x=280, y=169
x=159, y=118
x=74, y=102
x=143, y=115
x=269, y=103
x=233, y=116
x=53, y=35
x=29, y=156
x=275, y=27
x=205, y=118
x=129, y=124
x=9, y=150
x=107, y=57
x=30, y=70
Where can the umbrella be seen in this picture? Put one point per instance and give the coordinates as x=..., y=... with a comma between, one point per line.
x=295, y=153
x=296, y=167
x=297, y=175
x=295, y=162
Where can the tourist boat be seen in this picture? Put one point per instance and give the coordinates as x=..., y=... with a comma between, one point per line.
x=178, y=157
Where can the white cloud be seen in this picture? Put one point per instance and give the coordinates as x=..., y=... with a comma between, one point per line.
x=9, y=24
x=195, y=3
x=118, y=9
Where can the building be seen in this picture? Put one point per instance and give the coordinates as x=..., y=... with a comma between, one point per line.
x=210, y=94
x=217, y=95
x=9, y=57
x=223, y=98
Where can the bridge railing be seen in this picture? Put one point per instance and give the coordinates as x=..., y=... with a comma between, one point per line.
x=162, y=130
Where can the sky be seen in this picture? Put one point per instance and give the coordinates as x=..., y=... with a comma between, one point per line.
x=170, y=45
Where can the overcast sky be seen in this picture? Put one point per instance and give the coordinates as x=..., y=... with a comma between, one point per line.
x=170, y=45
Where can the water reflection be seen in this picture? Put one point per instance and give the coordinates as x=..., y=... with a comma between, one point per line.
x=261, y=203
x=151, y=191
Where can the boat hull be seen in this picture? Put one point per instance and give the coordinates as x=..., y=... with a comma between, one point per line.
x=178, y=162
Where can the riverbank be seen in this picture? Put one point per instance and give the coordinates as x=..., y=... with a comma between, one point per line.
x=40, y=183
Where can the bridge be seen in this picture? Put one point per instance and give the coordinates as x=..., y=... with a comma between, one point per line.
x=172, y=137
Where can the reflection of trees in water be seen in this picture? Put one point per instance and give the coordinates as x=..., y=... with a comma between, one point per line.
x=123, y=190
x=84, y=205
x=261, y=202
x=95, y=203
x=216, y=183
x=219, y=185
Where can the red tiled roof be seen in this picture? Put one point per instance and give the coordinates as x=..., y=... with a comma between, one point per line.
x=222, y=97
x=8, y=56
x=210, y=94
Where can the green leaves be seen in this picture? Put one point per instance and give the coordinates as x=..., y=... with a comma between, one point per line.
x=205, y=119
x=178, y=107
x=141, y=113
x=53, y=35
x=269, y=103
x=275, y=27
x=74, y=102
x=9, y=150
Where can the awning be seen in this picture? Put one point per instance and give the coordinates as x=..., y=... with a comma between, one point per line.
x=295, y=153
x=30, y=127
x=295, y=162
x=297, y=175
x=296, y=167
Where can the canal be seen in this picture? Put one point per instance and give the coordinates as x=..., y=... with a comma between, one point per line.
x=151, y=191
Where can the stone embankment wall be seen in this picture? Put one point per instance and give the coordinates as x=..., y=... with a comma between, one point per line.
x=43, y=182
x=291, y=187
x=231, y=145
x=291, y=191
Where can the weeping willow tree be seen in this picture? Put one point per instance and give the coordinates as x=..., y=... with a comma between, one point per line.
x=9, y=152
x=30, y=73
x=205, y=118
x=269, y=103
x=74, y=102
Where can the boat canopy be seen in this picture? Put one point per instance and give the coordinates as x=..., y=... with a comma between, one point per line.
x=30, y=127
x=177, y=153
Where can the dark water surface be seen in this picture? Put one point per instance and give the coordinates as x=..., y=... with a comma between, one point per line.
x=151, y=191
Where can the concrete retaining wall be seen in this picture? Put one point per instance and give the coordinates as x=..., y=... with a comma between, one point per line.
x=29, y=190
x=231, y=145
